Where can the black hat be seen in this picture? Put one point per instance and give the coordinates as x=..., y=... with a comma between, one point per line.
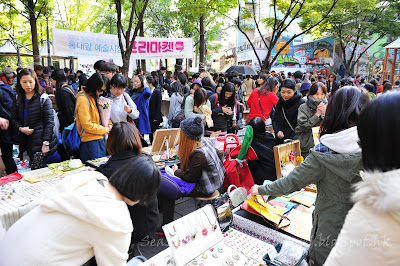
x=193, y=127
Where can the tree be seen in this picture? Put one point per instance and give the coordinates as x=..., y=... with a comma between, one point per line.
x=195, y=17
x=352, y=23
x=285, y=12
x=32, y=10
x=126, y=37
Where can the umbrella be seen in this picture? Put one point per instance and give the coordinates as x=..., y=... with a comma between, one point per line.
x=242, y=69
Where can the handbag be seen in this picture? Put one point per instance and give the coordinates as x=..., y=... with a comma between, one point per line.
x=237, y=195
x=180, y=116
x=70, y=136
x=37, y=161
x=223, y=207
x=267, y=121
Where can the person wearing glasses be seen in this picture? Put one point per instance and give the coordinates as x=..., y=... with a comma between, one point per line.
x=331, y=82
x=123, y=107
x=88, y=119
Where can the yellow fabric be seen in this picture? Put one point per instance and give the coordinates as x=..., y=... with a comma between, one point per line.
x=270, y=212
x=88, y=119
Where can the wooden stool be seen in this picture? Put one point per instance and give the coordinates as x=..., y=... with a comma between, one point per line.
x=200, y=200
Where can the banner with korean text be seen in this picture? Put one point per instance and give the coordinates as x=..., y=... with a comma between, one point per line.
x=96, y=45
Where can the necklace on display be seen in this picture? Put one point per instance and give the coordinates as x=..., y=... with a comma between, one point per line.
x=204, y=231
x=186, y=239
x=175, y=242
x=193, y=236
x=214, y=225
x=174, y=232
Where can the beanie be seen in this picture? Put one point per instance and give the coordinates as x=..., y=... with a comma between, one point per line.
x=193, y=127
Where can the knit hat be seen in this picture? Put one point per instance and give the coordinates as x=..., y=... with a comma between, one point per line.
x=305, y=86
x=193, y=127
x=198, y=82
x=8, y=72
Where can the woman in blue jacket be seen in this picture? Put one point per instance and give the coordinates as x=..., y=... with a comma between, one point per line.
x=141, y=96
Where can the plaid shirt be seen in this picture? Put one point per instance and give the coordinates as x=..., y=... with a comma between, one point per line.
x=323, y=149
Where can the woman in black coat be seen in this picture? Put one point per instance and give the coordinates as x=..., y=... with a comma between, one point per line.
x=65, y=99
x=123, y=144
x=32, y=115
x=285, y=116
x=155, y=115
x=263, y=144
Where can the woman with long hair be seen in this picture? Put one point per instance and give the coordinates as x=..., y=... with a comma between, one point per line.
x=141, y=97
x=334, y=166
x=194, y=101
x=175, y=103
x=124, y=144
x=200, y=164
x=65, y=100
x=263, y=99
x=32, y=114
x=223, y=106
x=88, y=119
x=373, y=223
x=310, y=115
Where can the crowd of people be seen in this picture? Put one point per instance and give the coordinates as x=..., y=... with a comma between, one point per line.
x=358, y=132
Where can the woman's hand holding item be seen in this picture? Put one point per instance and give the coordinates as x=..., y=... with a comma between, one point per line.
x=127, y=109
x=195, y=109
x=280, y=135
x=226, y=110
x=174, y=168
x=45, y=149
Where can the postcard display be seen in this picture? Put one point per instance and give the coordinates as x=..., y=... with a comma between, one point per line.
x=196, y=239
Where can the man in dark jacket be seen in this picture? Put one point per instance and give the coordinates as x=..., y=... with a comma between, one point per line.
x=161, y=73
x=82, y=79
x=6, y=136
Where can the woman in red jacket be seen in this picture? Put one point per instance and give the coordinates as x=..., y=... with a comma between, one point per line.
x=264, y=98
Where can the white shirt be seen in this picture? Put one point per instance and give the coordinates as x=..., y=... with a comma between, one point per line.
x=118, y=113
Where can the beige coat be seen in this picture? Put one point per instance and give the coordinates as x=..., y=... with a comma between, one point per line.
x=371, y=232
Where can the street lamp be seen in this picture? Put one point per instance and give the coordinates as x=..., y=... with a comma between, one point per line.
x=46, y=14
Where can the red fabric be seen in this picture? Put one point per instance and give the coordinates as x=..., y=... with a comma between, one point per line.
x=251, y=154
x=379, y=89
x=237, y=174
x=267, y=102
x=10, y=178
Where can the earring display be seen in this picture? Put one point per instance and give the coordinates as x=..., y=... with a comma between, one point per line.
x=249, y=246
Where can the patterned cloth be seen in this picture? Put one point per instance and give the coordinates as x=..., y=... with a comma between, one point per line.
x=323, y=149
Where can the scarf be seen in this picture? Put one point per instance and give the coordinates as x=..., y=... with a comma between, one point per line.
x=313, y=103
x=136, y=93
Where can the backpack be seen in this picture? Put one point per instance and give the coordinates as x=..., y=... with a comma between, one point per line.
x=70, y=136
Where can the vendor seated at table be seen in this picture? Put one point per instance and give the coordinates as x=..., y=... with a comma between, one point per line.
x=83, y=216
x=124, y=144
x=263, y=144
x=200, y=164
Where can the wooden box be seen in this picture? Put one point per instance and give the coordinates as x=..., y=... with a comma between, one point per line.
x=280, y=152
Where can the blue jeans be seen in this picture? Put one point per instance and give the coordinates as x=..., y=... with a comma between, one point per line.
x=92, y=149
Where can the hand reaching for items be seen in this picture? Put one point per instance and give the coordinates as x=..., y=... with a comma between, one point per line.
x=280, y=135
x=254, y=190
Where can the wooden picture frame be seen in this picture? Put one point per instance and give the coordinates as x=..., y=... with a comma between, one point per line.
x=280, y=152
x=161, y=137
